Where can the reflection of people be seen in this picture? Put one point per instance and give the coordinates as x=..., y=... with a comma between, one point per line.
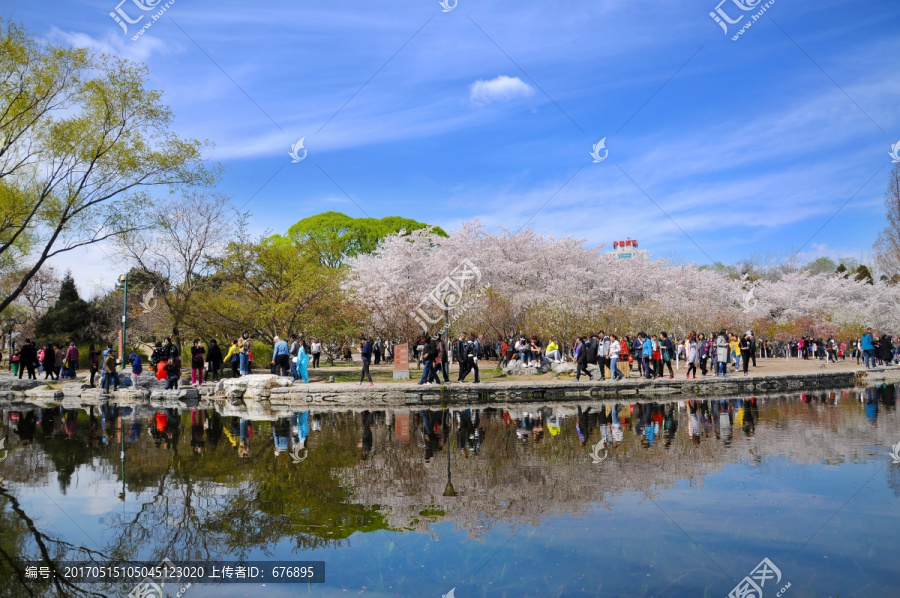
x=301, y=428
x=670, y=426
x=726, y=418
x=469, y=433
x=281, y=434
x=197, y=430
x=246, y=432
x=25, y=427
x=366, y=442
x=872, y=406
x=583, y=425
x=213, y=428
x=431, y=429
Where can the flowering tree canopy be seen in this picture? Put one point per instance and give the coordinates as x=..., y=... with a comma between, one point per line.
x=537, y=284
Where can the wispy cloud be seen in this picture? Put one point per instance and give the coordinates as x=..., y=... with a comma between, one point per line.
x=500, y=89
x=112, y=43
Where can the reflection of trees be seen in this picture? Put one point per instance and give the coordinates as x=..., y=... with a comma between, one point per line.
x=214, y=505
x=893, y=479
x=16, y=528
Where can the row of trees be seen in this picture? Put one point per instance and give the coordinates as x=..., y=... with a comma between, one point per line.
x=536, y=284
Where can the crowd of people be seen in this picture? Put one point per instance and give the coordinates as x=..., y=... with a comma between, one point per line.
x=647, y=355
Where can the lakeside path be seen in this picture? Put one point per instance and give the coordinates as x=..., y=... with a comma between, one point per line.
x=770, y=376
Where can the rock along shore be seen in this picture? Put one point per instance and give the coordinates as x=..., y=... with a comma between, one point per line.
x=285, y=392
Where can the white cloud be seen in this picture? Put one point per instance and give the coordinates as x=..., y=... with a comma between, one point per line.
x=501, y=89
x=111, y=43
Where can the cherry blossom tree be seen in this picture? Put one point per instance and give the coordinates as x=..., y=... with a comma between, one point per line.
x=532, y=283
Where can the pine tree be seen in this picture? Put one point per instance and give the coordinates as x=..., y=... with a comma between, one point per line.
x=69, y=317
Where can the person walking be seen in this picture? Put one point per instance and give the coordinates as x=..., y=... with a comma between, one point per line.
x=461, y=352
x=303, y=363
x=28, y=359
x=429, y=354
x=867, y=344
x=703, y=346
x=293, y=353
x=48, y=362
x=637, y=350
x=214, y=358
x=281, y=357
x=365, y=351
x=647, y=356
x=198, y=359
x=615, y=349
x=745, y=352
x=135, y=360
x=93, y=363
x=667, y=349
x=110, y=376
x=693, y=354
x=473, y=353
x=316, y=349
x=723, y=350
x=72, y=360
x=581, y=359
x=244, y=353
x=58, y=357
x=443, y=359
x=603, y=346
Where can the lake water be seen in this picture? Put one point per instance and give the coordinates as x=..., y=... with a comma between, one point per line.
x=790, y=495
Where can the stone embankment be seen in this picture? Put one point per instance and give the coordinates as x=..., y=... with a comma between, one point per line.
x=278, y=391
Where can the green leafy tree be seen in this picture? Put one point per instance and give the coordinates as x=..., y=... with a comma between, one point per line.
x=820, y=266
x=334, y=236
x=82, y=142
x=273, y=287
x=863, y=274
x=70, y=317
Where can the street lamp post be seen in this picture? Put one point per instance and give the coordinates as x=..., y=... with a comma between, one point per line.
x=124, y=279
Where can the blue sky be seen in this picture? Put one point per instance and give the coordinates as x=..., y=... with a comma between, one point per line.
x=490, y=111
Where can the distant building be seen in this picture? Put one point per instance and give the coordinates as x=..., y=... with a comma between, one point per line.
x=625, y=250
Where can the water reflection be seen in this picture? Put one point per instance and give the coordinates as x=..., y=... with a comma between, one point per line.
x=218, y=481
